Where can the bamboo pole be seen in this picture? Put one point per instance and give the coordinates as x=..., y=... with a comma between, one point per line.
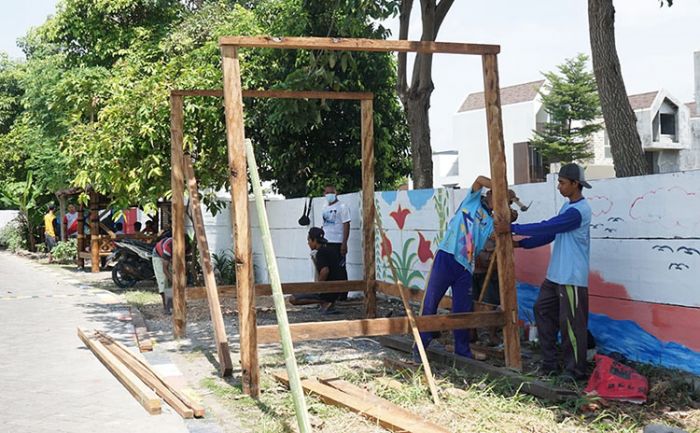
x=412, y=320
x=282, y=320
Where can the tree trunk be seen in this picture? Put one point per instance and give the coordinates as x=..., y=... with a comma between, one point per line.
x=620, y=120
x=416, y=98
x=417, y=106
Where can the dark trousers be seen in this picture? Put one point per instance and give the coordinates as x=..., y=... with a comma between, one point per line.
x=563, y=308
x=332, y=297
x=445, y=273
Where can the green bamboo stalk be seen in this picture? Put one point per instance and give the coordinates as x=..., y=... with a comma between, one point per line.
x=282, y=320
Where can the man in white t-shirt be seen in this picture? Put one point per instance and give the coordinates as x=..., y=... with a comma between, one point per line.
x=336, y=225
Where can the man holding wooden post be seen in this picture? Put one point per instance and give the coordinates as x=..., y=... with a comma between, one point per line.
x=465, y=237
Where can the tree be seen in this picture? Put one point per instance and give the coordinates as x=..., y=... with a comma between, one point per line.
x=299, y=144
x=620, y=120
x=416, y=97
x=570, y=97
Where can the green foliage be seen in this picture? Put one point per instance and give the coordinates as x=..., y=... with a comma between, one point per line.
x=10, y=93
x=12, y=237
x=224, y=266
x=90, y=106
x=571, y=100
x=65, y=251
x=98, y=32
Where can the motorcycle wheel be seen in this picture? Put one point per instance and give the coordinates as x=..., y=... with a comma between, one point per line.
x=120, y=279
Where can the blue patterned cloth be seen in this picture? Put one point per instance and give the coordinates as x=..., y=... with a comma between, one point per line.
x=467, y=231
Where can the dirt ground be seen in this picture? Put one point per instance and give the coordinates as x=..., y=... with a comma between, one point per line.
x=470, y=404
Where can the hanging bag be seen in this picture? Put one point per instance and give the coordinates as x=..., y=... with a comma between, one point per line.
x=305, y=220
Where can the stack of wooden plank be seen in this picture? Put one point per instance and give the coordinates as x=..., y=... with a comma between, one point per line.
x=138, y=377
x=341, y=393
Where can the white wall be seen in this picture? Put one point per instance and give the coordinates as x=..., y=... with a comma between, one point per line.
x=471, y=140
x=6, y=216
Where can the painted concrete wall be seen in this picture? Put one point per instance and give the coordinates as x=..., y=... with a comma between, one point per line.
x=645, y=254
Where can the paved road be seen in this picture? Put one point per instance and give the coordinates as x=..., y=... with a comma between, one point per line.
x=49, y=382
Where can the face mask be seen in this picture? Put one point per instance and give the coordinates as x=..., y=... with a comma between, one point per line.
x=330, y=198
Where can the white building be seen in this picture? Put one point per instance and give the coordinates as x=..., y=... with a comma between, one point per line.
x=669, y=131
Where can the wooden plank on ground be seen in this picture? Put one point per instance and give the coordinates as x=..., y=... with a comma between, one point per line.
x=180, y=403
x=346, y=44
x=217, y=319
x=382, y=326
x=143, y=339
x=384, y=412
x=143, y=394
x=525, y=384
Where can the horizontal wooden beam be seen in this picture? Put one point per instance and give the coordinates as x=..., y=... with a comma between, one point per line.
x=384, y=326
x=313, y=287
x=522, y=383
x=377, y=45
x=415, y=295
x=280, y=94
x=194, y=293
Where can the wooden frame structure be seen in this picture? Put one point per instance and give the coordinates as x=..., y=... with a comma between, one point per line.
x=246, y=290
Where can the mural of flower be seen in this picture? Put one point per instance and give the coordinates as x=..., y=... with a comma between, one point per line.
x=424, y=251
x=386, y=247
x=399, y=216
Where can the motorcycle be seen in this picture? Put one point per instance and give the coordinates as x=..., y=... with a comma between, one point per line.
x=133, y=262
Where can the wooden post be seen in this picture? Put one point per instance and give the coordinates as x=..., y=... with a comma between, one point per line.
x=499, y=181
x=94, y=232
x=243, y=256
x=62, y=215
x=177, y=181
x=81, y=235
x=217, y=318
x=368, y=210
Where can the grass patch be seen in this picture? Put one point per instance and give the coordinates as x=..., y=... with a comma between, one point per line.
x=140, y=298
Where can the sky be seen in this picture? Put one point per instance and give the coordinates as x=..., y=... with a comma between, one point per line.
x=655, y=45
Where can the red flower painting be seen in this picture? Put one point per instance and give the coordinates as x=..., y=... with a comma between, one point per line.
x=399, y=216
x=386, y=246
x=424, y=251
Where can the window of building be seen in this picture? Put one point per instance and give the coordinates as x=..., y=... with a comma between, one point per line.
x=606, y=145
x=668, y=123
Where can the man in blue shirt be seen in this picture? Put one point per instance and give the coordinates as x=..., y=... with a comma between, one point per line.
x=465, y=236
x=562, y=304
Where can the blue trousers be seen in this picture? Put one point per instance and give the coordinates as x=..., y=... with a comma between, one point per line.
x=447, y=272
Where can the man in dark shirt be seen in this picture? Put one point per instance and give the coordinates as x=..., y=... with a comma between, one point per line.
x=327, y=263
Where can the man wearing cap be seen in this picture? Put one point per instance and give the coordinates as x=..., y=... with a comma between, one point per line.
x=562, y=304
